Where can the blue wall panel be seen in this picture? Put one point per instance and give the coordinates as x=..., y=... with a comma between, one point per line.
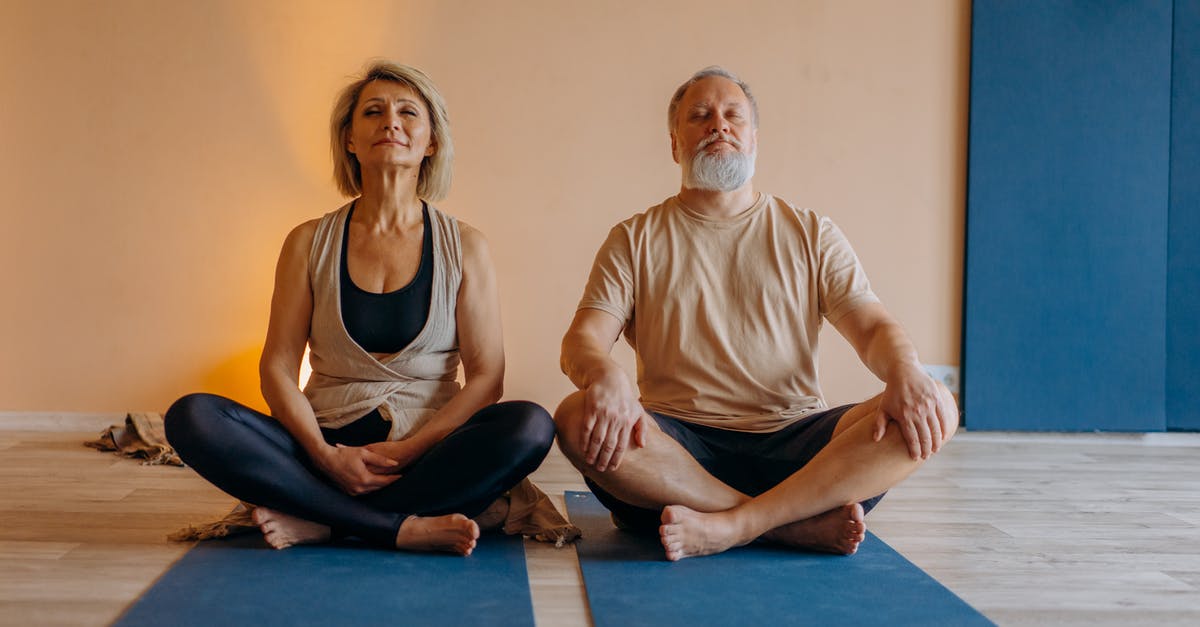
x=1065, y=300
x=1183, y=261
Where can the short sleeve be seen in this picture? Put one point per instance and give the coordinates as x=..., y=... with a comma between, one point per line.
x=842, y=282
x=610, y=284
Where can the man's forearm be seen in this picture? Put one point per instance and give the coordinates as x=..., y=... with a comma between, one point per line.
x=888, y=350
x=584, y=362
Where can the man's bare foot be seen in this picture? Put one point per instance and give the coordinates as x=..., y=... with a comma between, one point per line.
x=281, y=530
x=839, y=530
x=452, y=533
x=494, y=516
x=687, y=533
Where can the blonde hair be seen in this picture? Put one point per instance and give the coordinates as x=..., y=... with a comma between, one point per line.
x=433, y=181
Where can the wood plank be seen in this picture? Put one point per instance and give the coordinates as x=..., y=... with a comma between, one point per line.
x=1048, y=529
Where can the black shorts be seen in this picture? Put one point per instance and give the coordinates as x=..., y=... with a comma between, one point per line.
x=750, y=463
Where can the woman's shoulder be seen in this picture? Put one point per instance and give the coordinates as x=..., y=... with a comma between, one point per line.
x=470, y=235
x=300, y=238
x=474, y=244
x=471, y=240
x=304, y=234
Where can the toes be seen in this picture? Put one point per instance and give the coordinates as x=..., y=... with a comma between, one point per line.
x=672, y=514
x=276, y=540
x=259, y=516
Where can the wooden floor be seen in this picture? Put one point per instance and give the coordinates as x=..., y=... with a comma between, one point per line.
x=1030, y=529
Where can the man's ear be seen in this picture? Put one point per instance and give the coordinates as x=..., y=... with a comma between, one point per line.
x=674, y=148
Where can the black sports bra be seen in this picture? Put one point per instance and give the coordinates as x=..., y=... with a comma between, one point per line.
x=386, y=323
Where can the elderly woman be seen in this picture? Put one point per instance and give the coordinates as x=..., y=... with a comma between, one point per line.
x=389, y=293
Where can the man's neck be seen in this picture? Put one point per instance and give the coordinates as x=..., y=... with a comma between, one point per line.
x=720, y=205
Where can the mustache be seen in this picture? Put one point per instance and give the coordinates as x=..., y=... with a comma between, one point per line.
x=718, y=136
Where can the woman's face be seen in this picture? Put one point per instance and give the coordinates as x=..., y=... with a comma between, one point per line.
x=390, y=127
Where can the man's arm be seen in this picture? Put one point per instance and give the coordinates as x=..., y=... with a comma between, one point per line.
x=910, y=397
x=613, y=414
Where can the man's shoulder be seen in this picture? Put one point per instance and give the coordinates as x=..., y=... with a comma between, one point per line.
x=804, y=223
x=783, y=206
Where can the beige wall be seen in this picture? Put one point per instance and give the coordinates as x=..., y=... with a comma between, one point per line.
x=155, y=154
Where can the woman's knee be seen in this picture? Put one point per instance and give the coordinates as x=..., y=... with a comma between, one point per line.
x=532, y=429
x=185, y=419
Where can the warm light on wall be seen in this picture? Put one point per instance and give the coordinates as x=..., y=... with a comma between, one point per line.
x=305, y=369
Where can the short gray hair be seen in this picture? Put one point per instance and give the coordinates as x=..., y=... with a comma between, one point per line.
x=710, y=71
x=433, y=180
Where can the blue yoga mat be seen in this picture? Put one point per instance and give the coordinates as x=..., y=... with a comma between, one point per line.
x=242, y=581
x=630, y=582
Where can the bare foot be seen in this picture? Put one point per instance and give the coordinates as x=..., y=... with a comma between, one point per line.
x=839, y=530
x=452, y=533
x=688, y=533
x=494, y=516
x=281, y=530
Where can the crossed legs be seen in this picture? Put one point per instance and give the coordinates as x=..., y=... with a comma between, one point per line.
x=252, y=457
x=815, y=508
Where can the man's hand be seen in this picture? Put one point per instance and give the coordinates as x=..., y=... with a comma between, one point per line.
x=615, y=422
x=920, y=407
x=356, y=469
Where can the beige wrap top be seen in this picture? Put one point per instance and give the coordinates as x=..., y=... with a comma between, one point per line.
x=407, y=387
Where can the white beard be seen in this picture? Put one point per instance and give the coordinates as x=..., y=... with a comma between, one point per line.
x=718, y=172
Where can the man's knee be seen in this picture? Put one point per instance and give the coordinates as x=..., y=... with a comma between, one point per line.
x=949, y=407
x=569, y=424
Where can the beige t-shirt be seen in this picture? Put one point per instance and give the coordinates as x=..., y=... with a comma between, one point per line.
x=723, y=314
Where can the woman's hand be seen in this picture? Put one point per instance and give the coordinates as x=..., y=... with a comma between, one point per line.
x=402, y=452
x=357, y=469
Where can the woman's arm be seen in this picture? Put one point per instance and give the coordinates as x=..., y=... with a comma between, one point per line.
x=356, y=470
x=481, y=347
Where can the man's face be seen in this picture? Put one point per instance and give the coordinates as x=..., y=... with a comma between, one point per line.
x=713, y=105
x=714, y=139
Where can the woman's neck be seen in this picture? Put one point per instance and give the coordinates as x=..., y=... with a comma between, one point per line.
x=389, y=200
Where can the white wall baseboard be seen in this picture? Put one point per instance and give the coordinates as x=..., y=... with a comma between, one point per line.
x=57, y=421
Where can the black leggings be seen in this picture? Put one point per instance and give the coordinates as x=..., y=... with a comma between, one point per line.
x=251, y=456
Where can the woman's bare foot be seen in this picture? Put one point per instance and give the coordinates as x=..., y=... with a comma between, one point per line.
x=839, y=530
x=494, y=516
x=281, y=530
x=452, y=533
x=688, y=533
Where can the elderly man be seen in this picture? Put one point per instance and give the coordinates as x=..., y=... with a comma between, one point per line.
x=721, y=291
